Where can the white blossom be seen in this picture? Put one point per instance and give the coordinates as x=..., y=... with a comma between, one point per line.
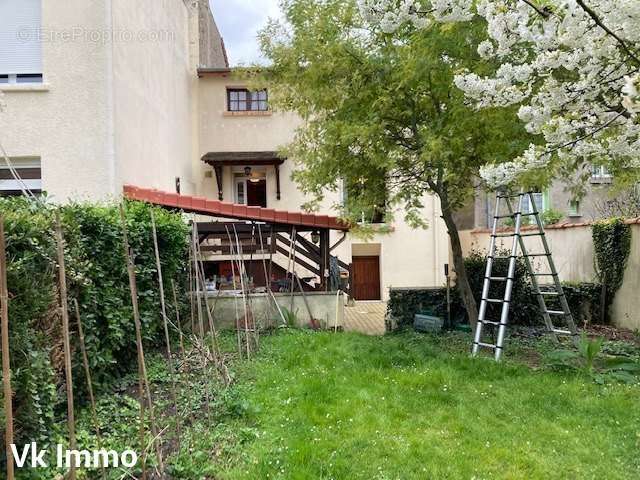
x=631, y=95
x=574, y=77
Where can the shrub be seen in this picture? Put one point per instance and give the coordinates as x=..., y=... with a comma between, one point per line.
x=551, y=216
x=583, y=298
x=97, y=278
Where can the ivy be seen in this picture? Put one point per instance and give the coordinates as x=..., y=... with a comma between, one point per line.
x=97, y=278
x=404, y=303
x=612, y=245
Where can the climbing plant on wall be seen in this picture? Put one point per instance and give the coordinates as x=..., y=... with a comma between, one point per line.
x=612, y=245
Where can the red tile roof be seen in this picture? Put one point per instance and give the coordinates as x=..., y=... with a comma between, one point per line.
x=215, y=208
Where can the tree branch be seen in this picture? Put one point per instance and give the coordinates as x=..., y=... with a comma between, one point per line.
x=544, y=12
x=594, y=16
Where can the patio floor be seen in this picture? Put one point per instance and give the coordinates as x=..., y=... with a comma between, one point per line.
x=366, y=317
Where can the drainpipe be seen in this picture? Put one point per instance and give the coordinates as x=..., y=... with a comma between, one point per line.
x=111, y=137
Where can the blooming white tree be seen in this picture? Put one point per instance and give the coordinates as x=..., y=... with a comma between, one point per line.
x=572, y=67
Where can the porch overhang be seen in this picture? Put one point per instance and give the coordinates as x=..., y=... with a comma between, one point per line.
x=214, y=208
x=218, y=160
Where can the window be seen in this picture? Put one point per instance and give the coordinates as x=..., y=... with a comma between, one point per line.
x=539, y=203
x=600, y=172
x=243, y=100
x=366, y=198
x=20, y=41
x=28, y=171
x=574, y=208
x=21, y=78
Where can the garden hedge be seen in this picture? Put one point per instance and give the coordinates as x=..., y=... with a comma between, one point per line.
x=97, y=278
x=404, y=303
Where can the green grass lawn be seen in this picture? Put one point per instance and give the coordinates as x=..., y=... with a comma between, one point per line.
x=346, y=406
x=314, y=405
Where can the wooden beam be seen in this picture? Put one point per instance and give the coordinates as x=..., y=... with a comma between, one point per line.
x=300, y=249
x=299, y=261
x=218, y=170
x=324, y=259
x=277, y=169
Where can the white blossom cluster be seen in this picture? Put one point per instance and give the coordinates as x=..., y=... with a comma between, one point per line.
x=571, y=66
x=631, y=94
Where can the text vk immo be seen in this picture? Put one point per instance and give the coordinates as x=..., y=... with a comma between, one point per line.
x=32, y=457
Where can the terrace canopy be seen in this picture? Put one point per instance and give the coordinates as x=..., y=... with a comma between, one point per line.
x=283, y=228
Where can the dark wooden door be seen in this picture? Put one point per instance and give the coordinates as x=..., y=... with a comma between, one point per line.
x=366, y=278
x=257, y=193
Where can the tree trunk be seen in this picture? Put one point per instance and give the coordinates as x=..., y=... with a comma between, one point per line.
x=462, y=280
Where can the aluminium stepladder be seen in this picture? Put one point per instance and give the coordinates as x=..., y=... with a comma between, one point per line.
x=552, y=290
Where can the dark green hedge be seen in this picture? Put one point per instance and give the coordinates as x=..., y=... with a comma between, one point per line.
x=583, y=298
x=97, y=277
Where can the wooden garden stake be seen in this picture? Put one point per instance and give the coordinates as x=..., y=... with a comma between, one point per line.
x=191, y=302
x=62, y=276
x=143, y=380
x=87, y=374
x=6, y=359
x=177, y=308
x=165, y=323
x=194, y=253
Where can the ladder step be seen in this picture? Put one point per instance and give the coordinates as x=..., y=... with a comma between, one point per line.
x=495, y=300
x=488, y=345
x=498, y=217
x=532, y=234
x=501, y=257
x=491, y=322
x=545, y=274
x=560, y=331
x=503, y=235
x=498, y=279
x=550, y=294
x=537, y=255
x=510, y=195
x=555, y=312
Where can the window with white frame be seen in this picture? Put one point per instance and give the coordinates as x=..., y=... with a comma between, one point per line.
x=538, y=203
x=600, y=172
x=574, y=208
x=24, y=174
x=20, y=41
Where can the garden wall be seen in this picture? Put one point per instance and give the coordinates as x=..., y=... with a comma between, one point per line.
x=573, y=254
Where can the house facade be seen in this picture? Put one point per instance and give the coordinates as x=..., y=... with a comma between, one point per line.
x=558, y=204
x=109, y=92
x=101, y=93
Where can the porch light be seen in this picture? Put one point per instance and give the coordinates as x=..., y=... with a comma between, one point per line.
x=247, y=171
x=315, y=237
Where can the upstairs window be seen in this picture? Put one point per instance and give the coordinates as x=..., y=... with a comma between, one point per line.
x=600, y=172
x=20, y=41
x=243, y=100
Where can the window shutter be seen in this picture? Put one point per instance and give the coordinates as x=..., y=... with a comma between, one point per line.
x=20, y=44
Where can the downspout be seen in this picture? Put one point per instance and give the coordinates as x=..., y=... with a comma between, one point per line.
x=111, y=135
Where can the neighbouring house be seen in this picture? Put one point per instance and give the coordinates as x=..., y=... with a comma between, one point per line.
x=112, y=93
x=558, y=203
x=103, y=93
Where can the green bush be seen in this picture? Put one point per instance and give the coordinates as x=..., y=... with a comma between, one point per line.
x=551, y=216
x=612, y=245
x=97, y=278
x=583, y=298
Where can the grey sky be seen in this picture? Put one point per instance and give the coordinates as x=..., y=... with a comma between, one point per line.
x=239, y=22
